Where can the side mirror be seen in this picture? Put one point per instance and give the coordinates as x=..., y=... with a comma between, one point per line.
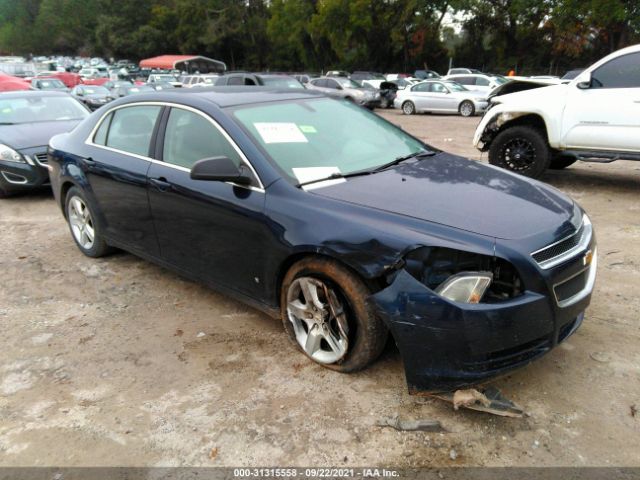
x=583, y=81
x=339, y=87
x=220, y=169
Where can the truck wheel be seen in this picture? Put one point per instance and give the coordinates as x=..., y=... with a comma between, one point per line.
x=521, y=149
x=467, y=109
x=325, y=311
x=560, y=162
x=408, y=108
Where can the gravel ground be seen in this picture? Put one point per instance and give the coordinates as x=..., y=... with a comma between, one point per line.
x=119, y=362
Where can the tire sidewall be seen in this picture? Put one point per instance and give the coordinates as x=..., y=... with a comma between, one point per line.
x=532, y=135
x=362, y=350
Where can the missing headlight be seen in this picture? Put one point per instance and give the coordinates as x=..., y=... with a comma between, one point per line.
x=433, y=266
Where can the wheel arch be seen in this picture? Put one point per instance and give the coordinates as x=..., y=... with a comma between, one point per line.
x=507, y=119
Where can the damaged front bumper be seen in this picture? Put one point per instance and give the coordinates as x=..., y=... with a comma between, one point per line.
x=448, y=345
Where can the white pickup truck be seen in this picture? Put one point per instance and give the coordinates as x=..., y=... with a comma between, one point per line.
x=595, y=117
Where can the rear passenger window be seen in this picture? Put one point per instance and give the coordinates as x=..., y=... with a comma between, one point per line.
x=191, y=137
x=482, y=82
x=131, y=129
x=100, y=138
x=235, y=81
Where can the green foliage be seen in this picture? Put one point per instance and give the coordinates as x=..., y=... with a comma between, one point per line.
x=535, y=36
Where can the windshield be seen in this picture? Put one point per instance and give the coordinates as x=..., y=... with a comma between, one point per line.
x=456, y=87
x=500, y=80
x=40, y=109
x=50, y=84
x=321, y=136
x=347, y=82
x=283, y=82
x=95, y=91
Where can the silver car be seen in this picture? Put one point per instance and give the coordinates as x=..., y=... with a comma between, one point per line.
x=440, y=96
x=346, y=88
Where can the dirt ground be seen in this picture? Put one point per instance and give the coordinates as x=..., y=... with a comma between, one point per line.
x=119, y=362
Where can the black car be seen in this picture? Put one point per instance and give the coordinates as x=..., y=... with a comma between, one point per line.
x=322, y=213
x=92, y=96
x=257, y=79
x=28, y=120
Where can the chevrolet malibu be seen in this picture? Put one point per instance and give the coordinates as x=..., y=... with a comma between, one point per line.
x=319, y=212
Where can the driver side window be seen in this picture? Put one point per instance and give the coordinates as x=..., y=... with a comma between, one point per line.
x=190, y=137
x=621, y=72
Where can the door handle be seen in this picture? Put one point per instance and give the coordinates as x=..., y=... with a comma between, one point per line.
x=89, y=163
x=160, y=183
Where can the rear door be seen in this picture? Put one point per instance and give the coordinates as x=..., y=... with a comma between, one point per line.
x=213, y=230
x=420, y=96
x=606, y=116
x=116, y=168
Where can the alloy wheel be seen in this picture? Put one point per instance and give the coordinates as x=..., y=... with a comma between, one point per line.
x=466, y=109
x=519, y=154
x=319, y=319
x=408, y=108
x=81, y=223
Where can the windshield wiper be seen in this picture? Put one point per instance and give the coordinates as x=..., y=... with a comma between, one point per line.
x=335, y=176
x=7, y=123
x=397, y=160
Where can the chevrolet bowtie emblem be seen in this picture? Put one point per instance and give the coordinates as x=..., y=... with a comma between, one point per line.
x=588, y=257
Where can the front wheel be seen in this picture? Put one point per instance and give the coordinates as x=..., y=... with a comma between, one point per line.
x=408, y=108
x=325, y=312
x=82, y=222
x=521, y=149
x=467, y=108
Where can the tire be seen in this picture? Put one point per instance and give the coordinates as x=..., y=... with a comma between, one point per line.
x=80, y=214
x=521, y=149
x=467, y=109
x=408, y=108
x=560, y=162
x=348, y=318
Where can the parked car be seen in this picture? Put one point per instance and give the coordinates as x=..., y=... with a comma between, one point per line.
x=337, y=73
x=93, y=96
x=52, y=84
x=126, y=90
x=372, y=79
x=161, y=85
x=458, y=71
x=304, y=78
x=594, y=117
x=403, y=83
x=440, y=96
x=69, y=79
x=426, y=74
x=111, y=84
x=88, y=73
x=190, y=81
x=336, y=221
x=164, y=78
x=258, y=79
x=346, y=88
x=478, y=82
x=27, y=121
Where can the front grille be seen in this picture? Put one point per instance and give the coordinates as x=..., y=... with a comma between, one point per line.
x=41, y=158
x=559, y=248
x=571, y=287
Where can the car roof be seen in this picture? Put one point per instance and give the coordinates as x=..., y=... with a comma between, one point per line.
x=231, y=95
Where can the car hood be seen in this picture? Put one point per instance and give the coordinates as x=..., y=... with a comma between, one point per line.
x=532, y=95
x=37, y=134
x=460, y=193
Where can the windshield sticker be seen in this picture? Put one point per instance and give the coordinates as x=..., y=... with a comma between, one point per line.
x=280, y=133
x=308, y=128
x=309, y=174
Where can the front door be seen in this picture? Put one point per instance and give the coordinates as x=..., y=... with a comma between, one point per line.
x=213, y=230
x=606, y=116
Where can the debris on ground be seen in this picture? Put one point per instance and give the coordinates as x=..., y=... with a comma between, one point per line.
x=453, y=454
x=600, y=357
x=411, y=425
x=489, y=400
x=633, y=410
x=213, y=453
x=201, y=334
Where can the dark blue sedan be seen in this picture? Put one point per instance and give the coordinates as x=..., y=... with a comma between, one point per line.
x=321, y=213
x=28, y=120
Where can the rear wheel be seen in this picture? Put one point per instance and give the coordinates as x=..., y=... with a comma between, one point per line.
x=467, y=109
x=521, y=149
x=82, y=222
x=325, y=312
x=408, y=108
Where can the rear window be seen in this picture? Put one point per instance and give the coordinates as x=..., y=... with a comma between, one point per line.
x=131, y=129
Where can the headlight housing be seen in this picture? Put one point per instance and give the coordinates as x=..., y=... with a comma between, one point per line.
x=467, y=287
x=8, y=154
